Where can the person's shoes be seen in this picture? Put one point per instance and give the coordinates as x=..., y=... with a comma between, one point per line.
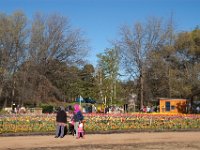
x=62, y=137
x=56, y=136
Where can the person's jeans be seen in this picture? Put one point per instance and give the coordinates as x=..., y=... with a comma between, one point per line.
x=76, y=128
x=60, y=129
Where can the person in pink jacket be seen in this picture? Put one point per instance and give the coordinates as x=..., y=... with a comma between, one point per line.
x=78, y=118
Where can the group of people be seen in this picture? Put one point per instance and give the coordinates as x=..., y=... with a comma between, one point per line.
x=76, y=121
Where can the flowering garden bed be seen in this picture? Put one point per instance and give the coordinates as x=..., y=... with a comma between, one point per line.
x=103, y=122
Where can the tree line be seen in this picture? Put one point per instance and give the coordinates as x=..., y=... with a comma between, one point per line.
x=43, y=60
x=37, y=57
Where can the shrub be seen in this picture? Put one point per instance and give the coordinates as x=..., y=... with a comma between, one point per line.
x=47, y=108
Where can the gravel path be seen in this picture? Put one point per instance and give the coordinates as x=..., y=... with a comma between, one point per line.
x=118, y=141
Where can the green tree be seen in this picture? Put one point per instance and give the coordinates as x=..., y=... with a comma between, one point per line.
x=108, y=72
x=188, y=52
x=89, y=86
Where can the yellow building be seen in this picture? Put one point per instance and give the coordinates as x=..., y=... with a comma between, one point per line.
x=172, y=105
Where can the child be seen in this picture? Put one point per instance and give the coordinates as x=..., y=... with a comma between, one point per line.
x=80, y=130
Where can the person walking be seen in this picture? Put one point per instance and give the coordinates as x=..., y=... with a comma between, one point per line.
x=78, y=118
x=61, y=119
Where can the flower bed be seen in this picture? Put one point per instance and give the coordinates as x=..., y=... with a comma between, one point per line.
x=103, y=122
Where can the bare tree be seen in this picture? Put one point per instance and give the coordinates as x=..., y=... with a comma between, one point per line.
x=136, y=43
x=13, y=36
x=53, y=38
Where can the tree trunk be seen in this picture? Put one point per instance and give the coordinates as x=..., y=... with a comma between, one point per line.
x=141, y=90
x=169, y=81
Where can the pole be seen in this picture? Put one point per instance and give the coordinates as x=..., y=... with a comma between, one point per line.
x=80, y=100
x=105, y=101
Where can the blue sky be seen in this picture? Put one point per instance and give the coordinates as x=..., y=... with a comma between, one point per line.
x=100, y=19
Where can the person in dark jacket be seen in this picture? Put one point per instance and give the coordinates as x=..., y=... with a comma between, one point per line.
x=77, y=118
x=61, y=119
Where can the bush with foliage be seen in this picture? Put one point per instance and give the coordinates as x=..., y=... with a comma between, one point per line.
x=47, y=108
